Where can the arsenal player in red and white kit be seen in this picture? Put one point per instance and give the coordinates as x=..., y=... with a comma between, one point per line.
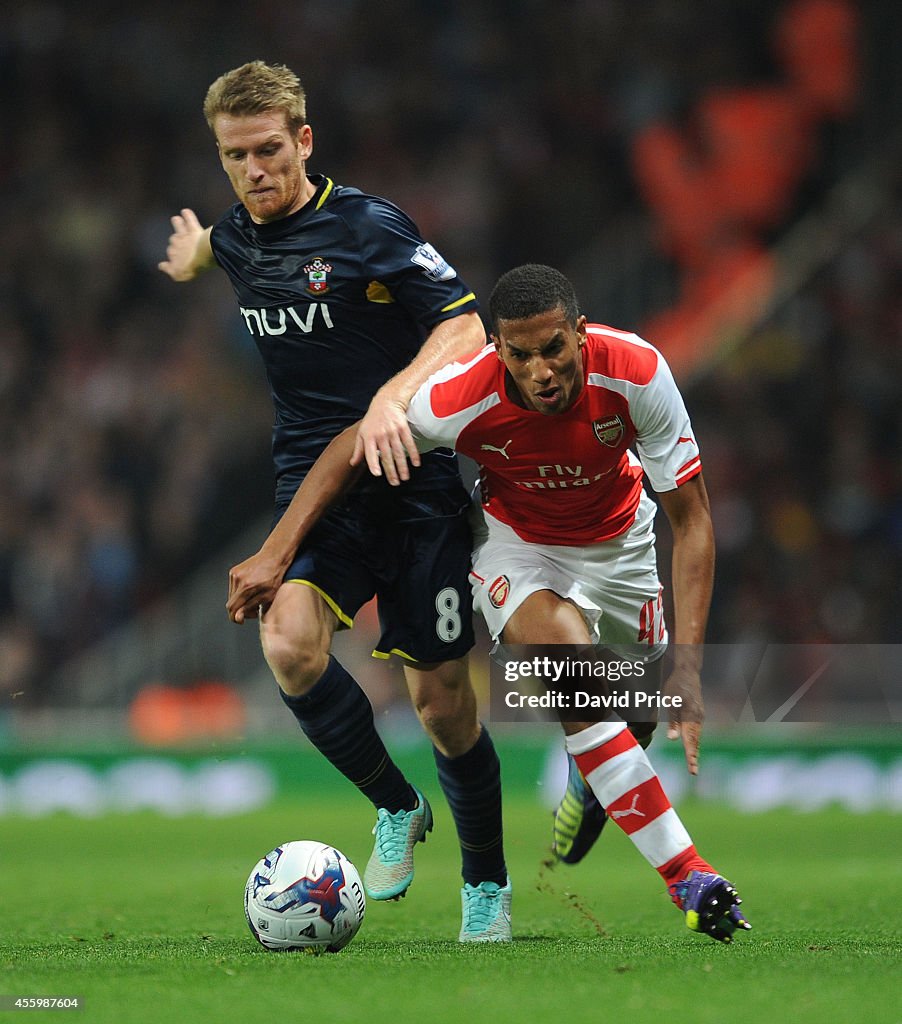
x=572, y=490
x=564, y=418
x=622, y=396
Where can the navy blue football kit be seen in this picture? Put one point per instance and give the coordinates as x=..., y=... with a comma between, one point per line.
x=338, y=298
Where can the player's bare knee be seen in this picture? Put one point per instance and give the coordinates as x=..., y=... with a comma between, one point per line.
x=445, y=703
x=297, y=662
x=451, y=722
x=296, y=636
x=440, y=724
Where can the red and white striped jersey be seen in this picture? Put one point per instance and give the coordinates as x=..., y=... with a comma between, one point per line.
x=568, y=478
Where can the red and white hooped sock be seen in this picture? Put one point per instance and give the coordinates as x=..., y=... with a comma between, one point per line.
x=628, y=788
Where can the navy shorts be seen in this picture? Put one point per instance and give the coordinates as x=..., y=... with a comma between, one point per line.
x=411, y=552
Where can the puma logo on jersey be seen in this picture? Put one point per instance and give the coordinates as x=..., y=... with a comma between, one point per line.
x=500, y=451
x=630, y=810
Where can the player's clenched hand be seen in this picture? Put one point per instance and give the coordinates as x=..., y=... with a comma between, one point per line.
x=686, y=720
x=385, y=441
x=252, y=586
x=187, y=252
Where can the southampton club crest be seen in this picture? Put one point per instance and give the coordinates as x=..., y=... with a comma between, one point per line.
x=609, y=431
x=317, y=273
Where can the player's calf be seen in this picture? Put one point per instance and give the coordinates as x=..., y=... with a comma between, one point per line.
x=579, y=817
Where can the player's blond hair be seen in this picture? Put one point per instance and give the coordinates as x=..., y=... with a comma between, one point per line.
x=257, y=88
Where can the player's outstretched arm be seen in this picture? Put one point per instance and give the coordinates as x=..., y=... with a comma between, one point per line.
x=189, y=251
x=693, y=580
x=384, y=439
x=254, y=582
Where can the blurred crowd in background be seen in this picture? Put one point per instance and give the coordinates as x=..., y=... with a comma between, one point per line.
x=802, y=449
x=134, y=413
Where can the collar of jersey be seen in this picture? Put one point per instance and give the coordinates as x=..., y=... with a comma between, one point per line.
x=319, y=198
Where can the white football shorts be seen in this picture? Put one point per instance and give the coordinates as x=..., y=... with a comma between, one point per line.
x=614, y=583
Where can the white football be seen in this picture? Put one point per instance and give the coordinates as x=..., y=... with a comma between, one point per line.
x=304, y=895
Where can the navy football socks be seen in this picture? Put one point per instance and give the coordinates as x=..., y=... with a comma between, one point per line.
x=472, y=786
x=337, y=717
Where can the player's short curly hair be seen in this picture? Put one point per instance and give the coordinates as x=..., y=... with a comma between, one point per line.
x=529, y=290
x=257, y=88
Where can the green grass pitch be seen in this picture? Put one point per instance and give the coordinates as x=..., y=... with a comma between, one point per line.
x=141, y=917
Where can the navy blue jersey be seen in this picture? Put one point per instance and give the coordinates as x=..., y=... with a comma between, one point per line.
x=338, y=298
